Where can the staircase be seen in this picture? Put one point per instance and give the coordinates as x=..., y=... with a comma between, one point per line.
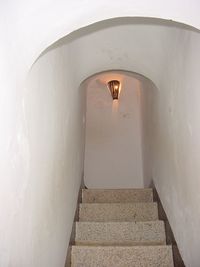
x=120, y=228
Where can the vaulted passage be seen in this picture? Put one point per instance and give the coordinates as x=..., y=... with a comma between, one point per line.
x=113, y=147
x=64, y=129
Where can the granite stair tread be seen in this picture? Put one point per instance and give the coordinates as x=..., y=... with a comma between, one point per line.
x=117, y=195
x=119, y=228
x=123, y=256
x=118, y=212
x=120, y=233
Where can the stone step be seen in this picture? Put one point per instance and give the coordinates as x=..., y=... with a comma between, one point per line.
x=114, y=256
x=117, y=195
x=109, y=212
x=120, y=233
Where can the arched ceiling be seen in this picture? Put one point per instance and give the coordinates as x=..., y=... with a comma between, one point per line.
x=141, y=45
x=33, y=26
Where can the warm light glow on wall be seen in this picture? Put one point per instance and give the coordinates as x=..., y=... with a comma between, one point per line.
x=114, y=87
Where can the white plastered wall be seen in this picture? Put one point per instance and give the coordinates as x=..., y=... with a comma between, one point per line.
x=113, y=157
x=52, y=148
x=27, y=28
x=171, y=135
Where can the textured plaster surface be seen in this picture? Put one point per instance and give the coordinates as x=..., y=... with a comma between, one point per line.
x=171, y=142
x=46, y=194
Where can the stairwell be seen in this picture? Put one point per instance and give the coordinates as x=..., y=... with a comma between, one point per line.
x=120, y=228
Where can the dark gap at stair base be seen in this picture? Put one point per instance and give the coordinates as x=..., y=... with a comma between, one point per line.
x=76, y=216
x=170, y=240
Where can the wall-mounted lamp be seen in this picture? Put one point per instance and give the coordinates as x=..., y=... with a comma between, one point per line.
x=114, y=88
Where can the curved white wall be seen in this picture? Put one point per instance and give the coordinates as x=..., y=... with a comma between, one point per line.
x=162, y=53
x=113, y=156
x=52, y=138
x=171, y=135
x=40, y=196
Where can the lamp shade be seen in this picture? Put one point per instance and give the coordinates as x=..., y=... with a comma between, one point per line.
x=114, y=88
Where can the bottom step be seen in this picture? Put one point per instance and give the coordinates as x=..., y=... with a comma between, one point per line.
x=145, y=256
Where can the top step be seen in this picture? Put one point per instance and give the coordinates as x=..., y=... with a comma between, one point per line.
x=117, y=195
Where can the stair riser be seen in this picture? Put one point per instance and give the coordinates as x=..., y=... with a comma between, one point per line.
x=123, y=243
